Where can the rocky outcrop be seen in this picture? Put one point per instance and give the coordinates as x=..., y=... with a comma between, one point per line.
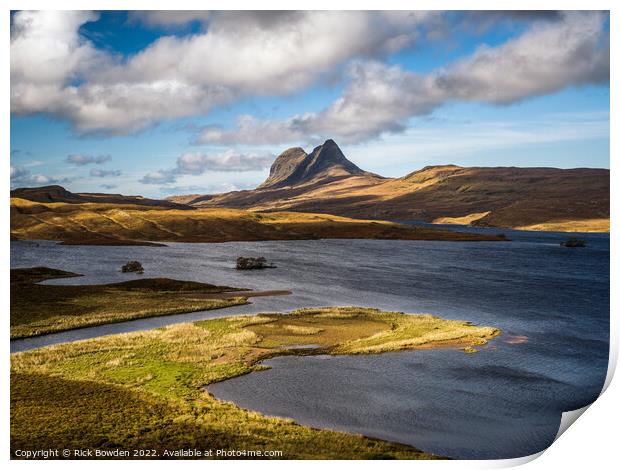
x=253, y=263
x=574, y=243
x=294, y=166
x=133, y=267
x=284, y=167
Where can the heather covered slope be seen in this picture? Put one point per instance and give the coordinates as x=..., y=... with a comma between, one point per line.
x=525, y=198
x=114, y=224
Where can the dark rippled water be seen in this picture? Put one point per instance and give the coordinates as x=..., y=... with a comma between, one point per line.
x=506, y=401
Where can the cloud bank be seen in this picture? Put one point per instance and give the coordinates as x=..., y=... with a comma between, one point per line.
x=380, y=99
x=196, y=163
x=104, y=173
x=55, y=70
x=21, y=176
x=81, y=160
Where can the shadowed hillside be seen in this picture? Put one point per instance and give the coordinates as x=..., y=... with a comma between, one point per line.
x=526, y=198
x=57, y=193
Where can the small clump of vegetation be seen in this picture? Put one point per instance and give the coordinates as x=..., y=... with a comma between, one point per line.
x=574, y=243
x=146, y=390
x=253, y=263
x=133, y=267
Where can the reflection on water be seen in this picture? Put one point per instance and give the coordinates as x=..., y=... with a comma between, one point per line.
x=551, y=302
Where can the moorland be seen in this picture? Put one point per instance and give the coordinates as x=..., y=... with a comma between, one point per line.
x=325, y=181
x=126, y=224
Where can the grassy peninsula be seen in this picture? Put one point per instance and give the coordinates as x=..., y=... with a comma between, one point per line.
x=147, y=390
x=38, y=309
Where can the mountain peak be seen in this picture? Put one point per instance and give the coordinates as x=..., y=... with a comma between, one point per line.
x=283, y=167
x=294, y=166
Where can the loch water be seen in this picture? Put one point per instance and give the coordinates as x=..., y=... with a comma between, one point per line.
x=551, y=302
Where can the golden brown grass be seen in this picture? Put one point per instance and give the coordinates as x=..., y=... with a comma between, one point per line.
x=95, y=223
x=510, y=197
x=588, y=225
x=462, y=220
x=147, y=389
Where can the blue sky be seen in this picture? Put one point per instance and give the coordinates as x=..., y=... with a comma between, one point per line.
x=161, y=103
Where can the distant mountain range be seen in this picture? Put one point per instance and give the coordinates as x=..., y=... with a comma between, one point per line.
x=324, y=181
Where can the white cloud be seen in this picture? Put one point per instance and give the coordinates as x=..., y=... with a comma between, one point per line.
x=159, y=177
x=55, y=70
x=81, y=160
x=196, y=163
x=18, y=172
x=380, y=99
x=250, y=130
x=96, y=173
x=21, y=176
x=215, y=188
x=546, y=59
x=46, y=55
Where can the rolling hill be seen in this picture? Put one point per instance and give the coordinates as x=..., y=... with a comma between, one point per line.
x=55, y=193
x=126, y=224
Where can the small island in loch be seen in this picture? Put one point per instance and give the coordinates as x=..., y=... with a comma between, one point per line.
x=253, y=263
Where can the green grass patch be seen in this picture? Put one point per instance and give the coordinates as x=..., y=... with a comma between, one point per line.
x=147, y=389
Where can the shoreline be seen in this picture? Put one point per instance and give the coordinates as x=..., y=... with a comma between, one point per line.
x=178, y=363
x=40, y=309
x=246, y=294
x=223, y=295
x=456, y=236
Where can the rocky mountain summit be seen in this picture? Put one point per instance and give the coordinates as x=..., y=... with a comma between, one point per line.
x=294, y=166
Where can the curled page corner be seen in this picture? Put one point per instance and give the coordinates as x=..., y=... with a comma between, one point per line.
x=516, y=462
x=568, y=418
